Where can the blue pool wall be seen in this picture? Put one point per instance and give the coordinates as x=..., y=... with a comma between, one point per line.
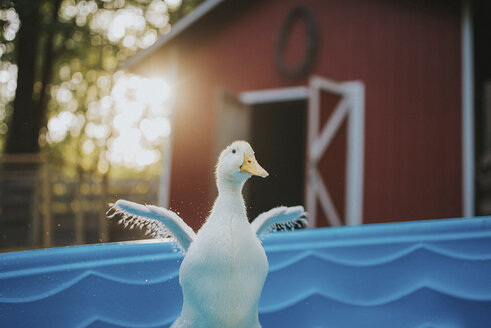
x=416, y=274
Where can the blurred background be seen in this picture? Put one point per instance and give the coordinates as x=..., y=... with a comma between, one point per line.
x=362, y=111
x=77, y=130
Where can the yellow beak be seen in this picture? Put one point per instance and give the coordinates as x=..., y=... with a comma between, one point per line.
x=251, y=166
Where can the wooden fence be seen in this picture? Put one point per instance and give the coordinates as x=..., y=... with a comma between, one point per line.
x=40, y=207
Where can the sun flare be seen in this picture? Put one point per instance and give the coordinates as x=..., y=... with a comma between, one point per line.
x=132, y=121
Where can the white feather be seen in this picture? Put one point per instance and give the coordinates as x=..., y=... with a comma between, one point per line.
x=278, y=217
x=159, y=222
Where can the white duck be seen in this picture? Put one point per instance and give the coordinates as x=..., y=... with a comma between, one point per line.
x=224, y=267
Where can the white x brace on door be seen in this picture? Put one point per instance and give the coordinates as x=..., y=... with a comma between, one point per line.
x=350, y=107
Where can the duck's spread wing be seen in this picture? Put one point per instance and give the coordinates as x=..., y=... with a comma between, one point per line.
x=159, y=222
x=279, y=218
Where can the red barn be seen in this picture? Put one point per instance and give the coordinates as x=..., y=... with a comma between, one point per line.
x=360, y=110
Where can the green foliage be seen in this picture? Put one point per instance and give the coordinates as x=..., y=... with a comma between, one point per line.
x=82, y=45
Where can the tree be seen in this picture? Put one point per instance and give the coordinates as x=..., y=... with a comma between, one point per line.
x=56, y=33
x=29, y=115
x=62, y=59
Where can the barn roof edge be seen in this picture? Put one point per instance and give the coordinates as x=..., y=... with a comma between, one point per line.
x=188, y=20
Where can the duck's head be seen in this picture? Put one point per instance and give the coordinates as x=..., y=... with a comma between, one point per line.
x=237, y=163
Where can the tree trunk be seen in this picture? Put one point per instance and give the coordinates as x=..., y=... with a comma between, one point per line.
x=18, y=185
x=27, y=119
x=22, y=136
x=47, y=70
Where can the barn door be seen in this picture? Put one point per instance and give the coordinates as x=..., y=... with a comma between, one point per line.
x=333, y=105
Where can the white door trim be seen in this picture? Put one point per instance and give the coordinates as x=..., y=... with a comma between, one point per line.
x=351, y=106
x=467, y=111
x=274, y=95
x=167, y=147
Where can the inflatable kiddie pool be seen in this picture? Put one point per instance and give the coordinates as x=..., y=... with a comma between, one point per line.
x=417, y=274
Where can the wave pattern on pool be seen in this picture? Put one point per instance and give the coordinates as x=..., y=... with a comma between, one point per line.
x=417, y=274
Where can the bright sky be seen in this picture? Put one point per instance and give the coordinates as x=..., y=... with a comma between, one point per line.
x=141, y=120
x=132, y=120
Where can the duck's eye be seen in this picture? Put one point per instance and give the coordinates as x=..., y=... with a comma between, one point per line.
x=234, y=151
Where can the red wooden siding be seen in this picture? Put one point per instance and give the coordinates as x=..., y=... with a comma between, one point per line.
x=407, y=53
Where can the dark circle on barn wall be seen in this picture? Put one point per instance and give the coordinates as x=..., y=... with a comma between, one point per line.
x=305, y=65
